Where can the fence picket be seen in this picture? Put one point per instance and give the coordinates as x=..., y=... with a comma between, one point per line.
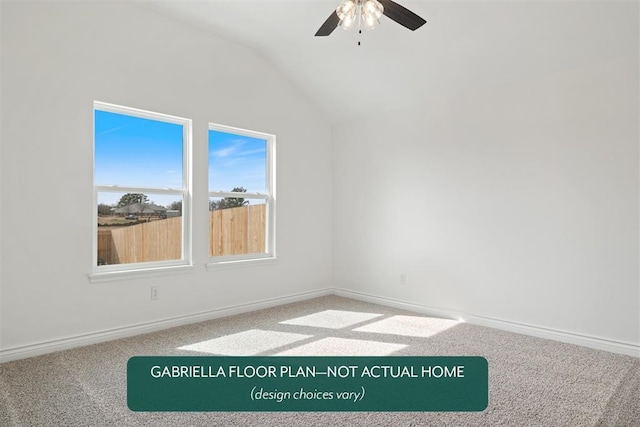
x=232, y=231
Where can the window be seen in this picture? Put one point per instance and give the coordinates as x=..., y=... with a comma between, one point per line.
x=142, y=190
x=241, y=194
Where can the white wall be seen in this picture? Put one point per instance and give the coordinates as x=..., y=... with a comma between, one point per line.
x=57, y=58
x=515, y=201
x=1, y=192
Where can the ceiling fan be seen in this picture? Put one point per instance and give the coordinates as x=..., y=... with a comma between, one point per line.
x=366, y=14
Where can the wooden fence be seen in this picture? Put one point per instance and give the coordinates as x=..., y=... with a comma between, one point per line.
x=237, y=231
x=151, y=241
x=231, y=232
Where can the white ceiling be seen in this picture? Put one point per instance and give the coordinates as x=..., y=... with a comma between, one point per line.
x=464, y=44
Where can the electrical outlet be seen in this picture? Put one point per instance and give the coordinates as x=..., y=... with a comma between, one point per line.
x=155, y=292
x=403, y=278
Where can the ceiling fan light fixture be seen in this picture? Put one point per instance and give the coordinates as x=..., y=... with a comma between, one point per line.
x=347, y=13
x=371, y=13
x=374, y=7
x=366, y=12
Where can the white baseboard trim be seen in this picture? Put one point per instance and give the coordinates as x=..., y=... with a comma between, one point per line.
x=597, y=343
x=31, y=350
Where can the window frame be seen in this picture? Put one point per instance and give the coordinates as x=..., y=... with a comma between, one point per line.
x=122, y=271
x=269, y=198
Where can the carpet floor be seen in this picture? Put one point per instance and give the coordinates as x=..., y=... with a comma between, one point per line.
x=532, y=381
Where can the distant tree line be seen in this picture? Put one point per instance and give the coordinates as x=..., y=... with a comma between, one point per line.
x=229, y=202
x=131, y=198
x=104, y=209
x=175, y=206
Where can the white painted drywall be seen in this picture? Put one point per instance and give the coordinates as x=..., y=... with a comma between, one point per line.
x=57, y=58
x=514, y=200
x=1, y=193
x=510, y=192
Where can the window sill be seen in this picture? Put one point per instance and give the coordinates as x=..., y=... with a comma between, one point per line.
x=240, y=263
x=108, y=276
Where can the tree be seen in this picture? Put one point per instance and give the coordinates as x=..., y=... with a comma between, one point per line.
x=230, y=202
x=175, y=206
x=104, y=209
x=131, y=198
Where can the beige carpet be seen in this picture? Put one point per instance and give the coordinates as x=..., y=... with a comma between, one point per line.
x=532, y=381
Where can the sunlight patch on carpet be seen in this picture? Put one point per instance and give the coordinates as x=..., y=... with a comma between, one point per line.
x=331, y=319
x=410, y=326
x=247, y=343
x=343, y=347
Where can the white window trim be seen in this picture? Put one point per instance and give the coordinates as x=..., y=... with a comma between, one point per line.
x=123, y=271
x=269, y=197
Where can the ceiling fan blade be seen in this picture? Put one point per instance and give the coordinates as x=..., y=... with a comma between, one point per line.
x=329, y=25
x=402, y=15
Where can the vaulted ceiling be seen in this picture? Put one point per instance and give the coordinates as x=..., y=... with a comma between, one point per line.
x=463, y=45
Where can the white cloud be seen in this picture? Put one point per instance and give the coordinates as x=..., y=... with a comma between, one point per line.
x=223, y=152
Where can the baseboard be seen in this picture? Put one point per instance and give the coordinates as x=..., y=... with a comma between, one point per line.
x=23, y=352
x=597, y=343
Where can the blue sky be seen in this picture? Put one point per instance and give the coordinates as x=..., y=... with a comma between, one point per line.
x=137, y=152
x=236, y=161
x=132, y=151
